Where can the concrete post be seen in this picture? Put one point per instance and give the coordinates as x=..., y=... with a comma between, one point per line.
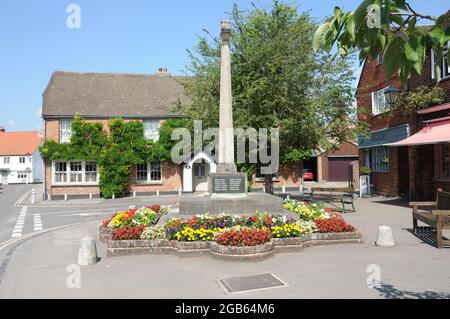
x=87, y=255
x=33, y=195
x=157, y=192
x=179, y=192
x=134, y=193
x=385, y=237
x=283, y=189
x=90, y=195
x=65, y=197
x=113, y=196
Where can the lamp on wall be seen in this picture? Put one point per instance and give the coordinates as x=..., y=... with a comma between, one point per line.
x=391, y=94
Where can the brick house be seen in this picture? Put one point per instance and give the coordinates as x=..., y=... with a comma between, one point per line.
x=399, y=165
x=98, y=97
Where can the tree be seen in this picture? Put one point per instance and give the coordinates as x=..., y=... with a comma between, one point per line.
x=387, y=27
x=278, y=81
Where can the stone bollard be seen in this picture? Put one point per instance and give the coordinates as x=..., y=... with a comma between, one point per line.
x=90, y=196
x=33, y=195
x=134, y=194
x=87, y=255
x=385, y=237
x=65, y=197
x=157, y=192
x=283, y=189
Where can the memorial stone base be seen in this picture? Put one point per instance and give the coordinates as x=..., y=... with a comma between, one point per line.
x=239, y=205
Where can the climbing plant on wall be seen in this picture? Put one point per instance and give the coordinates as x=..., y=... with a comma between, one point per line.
x=115, y=153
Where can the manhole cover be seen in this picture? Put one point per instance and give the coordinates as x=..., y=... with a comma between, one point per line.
x=252, y=282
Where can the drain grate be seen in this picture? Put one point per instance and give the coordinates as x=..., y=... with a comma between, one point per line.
x=252, y=282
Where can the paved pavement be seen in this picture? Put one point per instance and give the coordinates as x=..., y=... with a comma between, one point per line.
x=40, y=267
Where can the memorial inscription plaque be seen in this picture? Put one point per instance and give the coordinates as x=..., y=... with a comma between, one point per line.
x=232, y=183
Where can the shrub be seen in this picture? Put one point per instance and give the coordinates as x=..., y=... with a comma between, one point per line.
x=127, y=232
x=244, y=237
x=333, y=225
x=154, y=232
x=365, y=170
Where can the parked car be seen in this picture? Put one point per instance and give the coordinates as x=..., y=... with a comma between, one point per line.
x=308, y=174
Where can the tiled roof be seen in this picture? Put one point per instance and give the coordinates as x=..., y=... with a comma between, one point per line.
x=19, y=143
x=112, y=95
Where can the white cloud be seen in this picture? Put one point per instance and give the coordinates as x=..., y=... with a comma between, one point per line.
x=12, y=123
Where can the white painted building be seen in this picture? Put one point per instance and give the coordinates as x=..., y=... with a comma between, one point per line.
x=20, y=161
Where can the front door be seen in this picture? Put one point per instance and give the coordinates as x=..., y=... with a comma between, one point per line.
x=200, y=177
x=4, y=177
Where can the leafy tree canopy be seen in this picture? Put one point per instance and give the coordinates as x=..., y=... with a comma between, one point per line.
x=387, y=27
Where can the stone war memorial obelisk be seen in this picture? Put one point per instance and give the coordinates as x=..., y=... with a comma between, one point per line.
x=227, y=187
x=226, y=181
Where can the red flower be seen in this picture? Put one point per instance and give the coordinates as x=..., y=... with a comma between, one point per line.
x=127, y=232
x=333, y=225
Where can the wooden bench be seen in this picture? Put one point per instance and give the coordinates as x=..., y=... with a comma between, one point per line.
x=438, y=218
x=344, y=194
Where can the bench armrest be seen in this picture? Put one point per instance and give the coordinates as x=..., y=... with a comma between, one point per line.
x=441, y=212
x=422, y=204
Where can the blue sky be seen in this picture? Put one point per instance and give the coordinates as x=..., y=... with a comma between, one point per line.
x=134, y=36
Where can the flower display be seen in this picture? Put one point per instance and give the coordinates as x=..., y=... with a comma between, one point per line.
x=308, y=211
x=289, y=230
x=244, y=237
x=333, y=225
x=145, y=216
x=154, y=232
x=192, y=234
x=127, y=232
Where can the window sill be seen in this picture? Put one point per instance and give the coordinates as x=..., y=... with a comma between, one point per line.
x=149, y=183
x=73, y=184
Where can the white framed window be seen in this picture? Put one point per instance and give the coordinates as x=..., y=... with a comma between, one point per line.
x=75, y=173
x=379, y=103
x=65, y=131
x=151, y=128
x=90, y=172
x=22, y=159
x=6, y=160
x=377, y=158
x=380, y=58
x=148, y=173
x=141, y=173
x=60, y=172
x=444, y=63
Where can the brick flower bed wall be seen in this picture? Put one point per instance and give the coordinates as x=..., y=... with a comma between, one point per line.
x=126, y=247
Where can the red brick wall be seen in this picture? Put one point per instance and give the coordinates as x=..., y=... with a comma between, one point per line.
x=172, y=180
x=425, y=79
x=288, y=175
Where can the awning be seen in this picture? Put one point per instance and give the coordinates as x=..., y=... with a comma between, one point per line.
x=434, y=133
